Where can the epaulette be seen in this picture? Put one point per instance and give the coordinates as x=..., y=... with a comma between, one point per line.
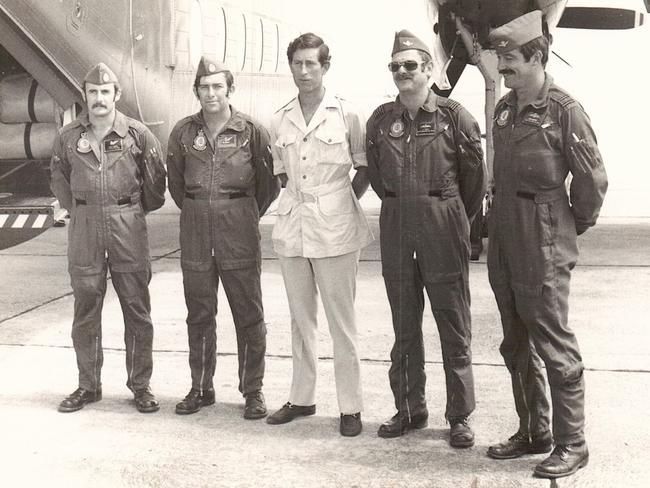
x=69, y=126
x=285, y=105
x=560, y=96
x=184, y=121
x=249, y=119
x=448, y=102
x=381, y=110
x=136, y=124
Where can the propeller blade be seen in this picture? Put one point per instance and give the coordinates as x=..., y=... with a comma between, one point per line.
x=647, y=5
x=455, y=68
x=600, y=18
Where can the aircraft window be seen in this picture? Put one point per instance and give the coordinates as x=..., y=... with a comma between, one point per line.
x=195, y=33
x=269, y=46
x=277, y=47
x=235, y=38
x=262, y=43
x=223, y=39
x=245, y=42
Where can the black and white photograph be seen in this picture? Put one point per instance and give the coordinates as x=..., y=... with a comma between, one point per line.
x=330, y=244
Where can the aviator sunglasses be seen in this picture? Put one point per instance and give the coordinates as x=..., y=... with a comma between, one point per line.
x=394, y=66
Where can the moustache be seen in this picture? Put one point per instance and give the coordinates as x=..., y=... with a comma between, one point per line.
x=506, y=72
x=98, y=104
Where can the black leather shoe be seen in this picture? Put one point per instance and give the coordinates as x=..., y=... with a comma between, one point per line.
x=460, y=433
x=563, y=461
x=255, y=407
x=520, y=444
x=194, y=400
x=400, y=424
x=351, y=424
x=77, y=399
x=289, y=412
x=145, y=401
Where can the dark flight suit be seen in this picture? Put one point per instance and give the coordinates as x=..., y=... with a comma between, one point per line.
x=430, y=175
x=532, y=250
x=222, y=192
x=108, y=186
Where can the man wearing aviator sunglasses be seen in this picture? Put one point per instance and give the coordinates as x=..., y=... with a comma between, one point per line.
x=425, y=162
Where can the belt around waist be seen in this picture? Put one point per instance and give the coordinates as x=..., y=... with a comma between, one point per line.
x=432, y=193
x=121, y=201
x=223, y=196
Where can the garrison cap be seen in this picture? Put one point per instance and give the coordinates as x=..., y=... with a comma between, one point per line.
x=101, y=74
x=208, y=66
x=405, y=40
x=517, y=32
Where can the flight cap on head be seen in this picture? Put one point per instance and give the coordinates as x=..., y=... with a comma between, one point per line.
x=405, y=40
x=100, y=74
x=517, y=32
x=208, y=66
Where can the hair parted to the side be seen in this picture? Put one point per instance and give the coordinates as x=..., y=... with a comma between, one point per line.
x=540, y=44
x=230, y=79
x=309, y=40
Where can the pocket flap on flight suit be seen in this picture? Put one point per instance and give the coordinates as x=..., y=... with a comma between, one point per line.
x=524, y=290
x=438, y=277
x=339, y=202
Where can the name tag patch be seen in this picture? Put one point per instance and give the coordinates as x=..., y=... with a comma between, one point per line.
x=227, y=140
x=425, y=129
x=112, y=145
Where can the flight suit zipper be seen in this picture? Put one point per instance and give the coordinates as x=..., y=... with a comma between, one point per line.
x=96, y=379
x=202, y=365
x=406, y=376
x=132, y=364
x=243, y=375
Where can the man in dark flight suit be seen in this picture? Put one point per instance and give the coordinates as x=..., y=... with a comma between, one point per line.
x=221, y=177
x=541, y=135
x=107, y=172
x=425, y=162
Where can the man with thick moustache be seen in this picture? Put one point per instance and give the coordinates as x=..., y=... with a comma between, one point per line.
x=107, y=172
x=425, y=162
x=541, y=136
x=221, y=177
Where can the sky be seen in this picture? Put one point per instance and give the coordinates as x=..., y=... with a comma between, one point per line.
x=610, y=76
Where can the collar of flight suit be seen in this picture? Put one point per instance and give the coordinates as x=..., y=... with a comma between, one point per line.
x=430, y=104
x=293, y=111
x=236, y=121
x=120, y=124
x=542, y=97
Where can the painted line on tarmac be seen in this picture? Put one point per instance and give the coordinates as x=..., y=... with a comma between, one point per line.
x=320, y=358
x=47, y=302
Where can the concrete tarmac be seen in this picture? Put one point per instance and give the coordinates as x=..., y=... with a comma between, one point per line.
x=110, y=444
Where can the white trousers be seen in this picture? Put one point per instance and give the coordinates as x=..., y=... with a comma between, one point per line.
x=335, y=278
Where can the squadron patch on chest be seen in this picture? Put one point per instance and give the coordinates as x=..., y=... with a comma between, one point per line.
x=503, y=118
x=83, y=144
x=227, y=140
x=200, y=142
x=112, y=145
x=397, y=129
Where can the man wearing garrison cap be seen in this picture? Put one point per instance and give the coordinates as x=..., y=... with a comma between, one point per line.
x=425, y=162
x=107, y=172
x=541, y=135
x=221, y=177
